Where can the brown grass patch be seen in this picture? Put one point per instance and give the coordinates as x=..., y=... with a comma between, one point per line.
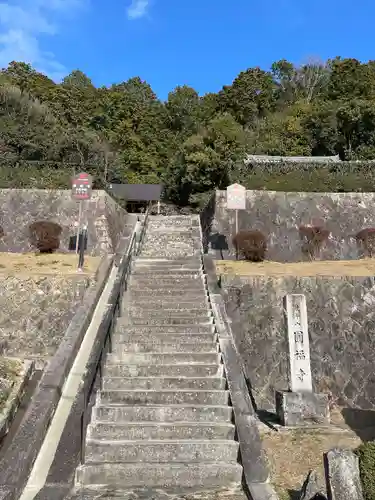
x=293, y=453
x=363, y=267
x=41, y=264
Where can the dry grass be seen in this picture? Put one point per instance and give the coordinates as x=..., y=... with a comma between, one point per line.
x=45, y=264
x=363, y=267
x=293, y=453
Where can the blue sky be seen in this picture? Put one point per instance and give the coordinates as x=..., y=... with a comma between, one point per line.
x=202, y=43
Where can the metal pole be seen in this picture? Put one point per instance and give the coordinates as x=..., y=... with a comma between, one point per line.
x=236, y=221
x=79, y=224
x=81, y=258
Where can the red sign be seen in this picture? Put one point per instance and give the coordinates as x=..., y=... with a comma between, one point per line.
x=82, y=187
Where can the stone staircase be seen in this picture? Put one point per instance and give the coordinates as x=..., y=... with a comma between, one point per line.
x=162, y=422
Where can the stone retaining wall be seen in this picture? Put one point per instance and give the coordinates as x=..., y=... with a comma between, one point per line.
x=36, y=311
x=278, y=215
x=20, y=207
x=341, y=318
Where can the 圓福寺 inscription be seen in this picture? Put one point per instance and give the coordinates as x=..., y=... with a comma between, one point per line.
x=298, y=340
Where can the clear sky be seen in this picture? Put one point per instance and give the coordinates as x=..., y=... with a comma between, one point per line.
x=202, y=43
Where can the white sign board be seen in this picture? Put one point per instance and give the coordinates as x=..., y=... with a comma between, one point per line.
x=236, y=197
x=299, y=345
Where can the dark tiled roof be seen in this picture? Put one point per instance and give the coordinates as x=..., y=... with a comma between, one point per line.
x=296, y=159
x=137, y=192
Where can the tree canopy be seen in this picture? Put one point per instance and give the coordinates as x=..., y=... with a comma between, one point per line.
x=189, y=142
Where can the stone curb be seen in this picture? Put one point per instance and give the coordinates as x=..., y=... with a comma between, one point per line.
x=18, y=460
x=253, y=458
x=15, y=397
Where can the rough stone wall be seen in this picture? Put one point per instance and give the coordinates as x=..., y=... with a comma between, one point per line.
x=116, y=221
x=21, y=207
x=36, y=311
x=341, y=317
x=279, y=215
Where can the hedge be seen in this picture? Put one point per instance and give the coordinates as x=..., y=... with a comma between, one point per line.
x=280, y=176
x=308, y=177
x=44, y=175
x=366, y=455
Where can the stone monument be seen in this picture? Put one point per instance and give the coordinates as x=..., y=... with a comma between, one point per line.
x=299, y=405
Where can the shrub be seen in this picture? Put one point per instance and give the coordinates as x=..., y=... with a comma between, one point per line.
x=45, y=236
x=2, y=232
x=313, y=238
x=366, y=455
x=252, y=245
x=366, y=239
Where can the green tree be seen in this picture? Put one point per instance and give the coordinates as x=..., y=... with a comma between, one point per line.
x=251, y=95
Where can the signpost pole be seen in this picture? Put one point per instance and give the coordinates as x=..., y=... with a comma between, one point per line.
x=81, y=258
x=79, y=225
x=81, y=191
x=236, y=221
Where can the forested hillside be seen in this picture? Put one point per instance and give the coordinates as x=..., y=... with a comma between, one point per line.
x=191, y=143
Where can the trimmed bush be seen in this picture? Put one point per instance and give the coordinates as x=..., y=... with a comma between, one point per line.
x=366, y=239
x=45, y=236
x=313, y=238
x=366, y=455
x=252, y=245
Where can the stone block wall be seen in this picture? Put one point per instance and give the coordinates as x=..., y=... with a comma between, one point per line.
x=341, y=318
x=278, y=215
x=21, y=207
x=36, y=311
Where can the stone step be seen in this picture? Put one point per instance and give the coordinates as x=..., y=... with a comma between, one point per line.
x=165, y=347
x=179, y=264
x=163, y=383
x=184, y=262
x=166, y=279
x=180, y=269
x=175, y=220
x=163, y=414
x=182, y=303
x=161, y=338
x=121, y=326
x=183, y=227
x=166, y=293
x=160, y=245
x=172, y=397
x=175, y=493
x=187, y=253
x=164, y=314
x=165, y=370
x=203, y=475
x=166, y=273
x=162, y=237
x=162, y=233
x=149, y=430
x=178, y=283
x=157, y=358
x=203, y=319
x=163, y=451
x=176, y=286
